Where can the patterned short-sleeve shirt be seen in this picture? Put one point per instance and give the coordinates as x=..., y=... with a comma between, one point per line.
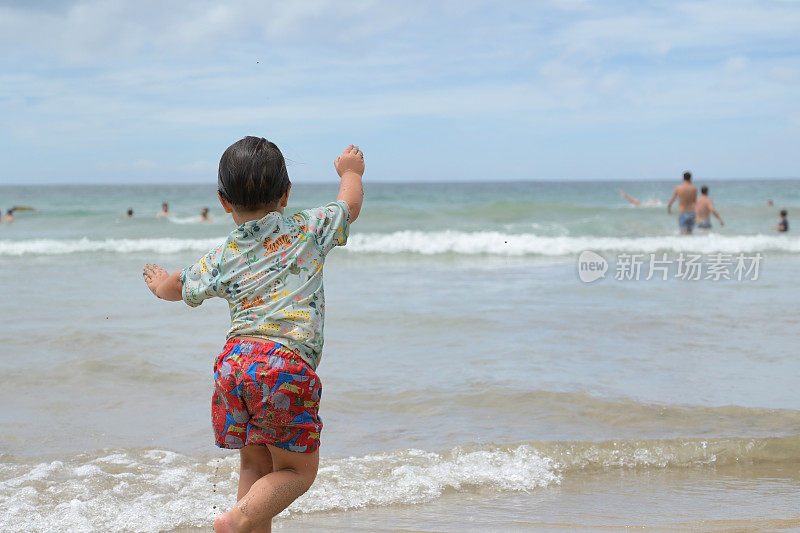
x=270, y=272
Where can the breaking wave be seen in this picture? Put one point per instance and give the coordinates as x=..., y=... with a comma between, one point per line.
x=121, y=246
x=520, y=244
x=441, y=242
x=154, y=490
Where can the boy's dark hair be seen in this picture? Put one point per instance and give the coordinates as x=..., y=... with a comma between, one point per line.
x=704, y=189
x=783, y=213
x=687, y=176
x=252, y=173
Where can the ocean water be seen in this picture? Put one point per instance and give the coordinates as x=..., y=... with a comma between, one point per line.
x=472, y=381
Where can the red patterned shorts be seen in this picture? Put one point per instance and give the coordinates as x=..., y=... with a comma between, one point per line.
x=265, y=394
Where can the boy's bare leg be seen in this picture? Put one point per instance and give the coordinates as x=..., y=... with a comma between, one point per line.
x=292, y=475
x=255, y=462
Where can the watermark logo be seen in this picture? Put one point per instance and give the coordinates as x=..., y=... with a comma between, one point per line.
x=591, y=266
x=685, y=266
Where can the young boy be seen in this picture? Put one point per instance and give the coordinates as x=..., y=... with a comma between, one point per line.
x=783, y=225
x=269, y=269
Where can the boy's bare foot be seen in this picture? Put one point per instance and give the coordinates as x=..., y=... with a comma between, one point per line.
x=230, y=523
x=222, y=524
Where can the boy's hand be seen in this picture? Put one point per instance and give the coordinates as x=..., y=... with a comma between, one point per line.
x=163, y=284
x=350, y=166
x=351, y=160
x=153, y=276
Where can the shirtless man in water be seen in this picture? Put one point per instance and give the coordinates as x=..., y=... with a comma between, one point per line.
x=686, y=193
x=704, y=208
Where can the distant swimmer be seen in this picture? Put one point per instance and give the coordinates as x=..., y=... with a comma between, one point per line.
x=9, y=216
x=769, y=203
x=783, y=225
x=686, y=193
x=129, y=214
x=704, y=208
x=164, y=211
x=204, y=216
x=630, y=198
x=653, y=202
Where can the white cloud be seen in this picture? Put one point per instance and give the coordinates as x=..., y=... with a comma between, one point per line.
x=199, y=167
x=109, y=71
x=90, y=32
x=736, y=64
x=643, y=29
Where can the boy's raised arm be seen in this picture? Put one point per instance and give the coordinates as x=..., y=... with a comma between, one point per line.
x=350, y=167
x=164, y=285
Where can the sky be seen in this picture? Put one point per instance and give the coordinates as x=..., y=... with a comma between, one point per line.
x=128, y=92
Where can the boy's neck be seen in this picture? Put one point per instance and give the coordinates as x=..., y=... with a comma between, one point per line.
x=240, y=217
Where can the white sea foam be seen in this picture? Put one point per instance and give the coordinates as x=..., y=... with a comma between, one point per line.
x=415, y=476
x=73, y=246
x=156, y=490
x=185, y=220
x=440, y=242
x=495, y=243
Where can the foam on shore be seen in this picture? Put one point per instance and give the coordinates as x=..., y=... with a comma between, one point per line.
x=153, y=490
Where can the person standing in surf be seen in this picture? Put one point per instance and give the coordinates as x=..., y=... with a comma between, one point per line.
x=704, y=208
x=783, y=224
x=269, y=269
x=686, y=193
x=164, y=213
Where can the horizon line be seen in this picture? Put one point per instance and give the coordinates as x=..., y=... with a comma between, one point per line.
x=437, y=182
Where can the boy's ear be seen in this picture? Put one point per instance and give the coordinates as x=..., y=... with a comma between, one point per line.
x=285, y=197
x=226, y=205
